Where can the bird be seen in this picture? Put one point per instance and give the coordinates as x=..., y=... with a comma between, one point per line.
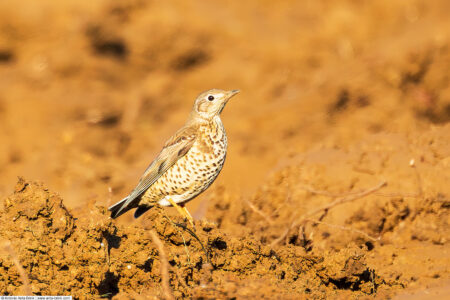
x=188, y=163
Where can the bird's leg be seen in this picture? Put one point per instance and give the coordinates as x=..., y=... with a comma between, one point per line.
x=188, y=215
x=182, y=210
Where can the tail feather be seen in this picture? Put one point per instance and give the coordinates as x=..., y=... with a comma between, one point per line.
x=140, y=211
x=118, y=209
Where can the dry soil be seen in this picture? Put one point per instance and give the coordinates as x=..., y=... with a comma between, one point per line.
x=337, y=179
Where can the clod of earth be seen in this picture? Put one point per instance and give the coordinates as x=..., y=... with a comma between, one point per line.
x=63, y=255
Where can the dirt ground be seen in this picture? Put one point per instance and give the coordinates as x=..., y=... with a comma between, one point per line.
x=337, y=179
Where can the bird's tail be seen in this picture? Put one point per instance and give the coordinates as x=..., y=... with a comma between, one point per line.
x=118, y=209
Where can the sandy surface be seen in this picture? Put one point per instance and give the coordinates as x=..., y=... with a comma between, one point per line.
x=337, y=179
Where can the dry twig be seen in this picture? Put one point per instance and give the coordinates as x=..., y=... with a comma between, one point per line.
x=181, y=234
x=345, y=228
x=285, y=233
x=333, y=195
x=305, y=218
x=343, y=200
x=164, y=266
x=259, y=212
x=23, y=276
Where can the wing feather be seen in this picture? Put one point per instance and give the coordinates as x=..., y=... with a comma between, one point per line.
x=174, y=149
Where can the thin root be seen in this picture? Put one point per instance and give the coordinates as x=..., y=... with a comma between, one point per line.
x=350, y=197
x=23, y=276
x=167, y=292
x=259, y=212
x=346, y=229
x=182, y=236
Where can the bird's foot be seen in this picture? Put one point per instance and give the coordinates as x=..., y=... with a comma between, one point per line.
x=182, y=210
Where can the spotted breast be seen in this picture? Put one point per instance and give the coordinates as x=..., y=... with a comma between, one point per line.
x=195, y=171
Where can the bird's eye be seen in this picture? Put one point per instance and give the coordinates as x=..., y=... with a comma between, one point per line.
x=210, y=98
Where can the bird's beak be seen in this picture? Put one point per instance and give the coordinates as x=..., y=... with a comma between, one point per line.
x=232, y=93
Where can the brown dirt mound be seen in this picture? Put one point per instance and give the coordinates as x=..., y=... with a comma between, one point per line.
x=337, y=96
x=406, y=220
x=93, y=256
x=413, y=205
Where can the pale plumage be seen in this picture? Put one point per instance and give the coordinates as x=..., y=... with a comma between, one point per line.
x=188, y=163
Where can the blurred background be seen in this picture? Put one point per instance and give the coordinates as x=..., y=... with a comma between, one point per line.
x=90, y=90
x=336, y=97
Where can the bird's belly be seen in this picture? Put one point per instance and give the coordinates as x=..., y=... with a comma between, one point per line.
x=189, y=176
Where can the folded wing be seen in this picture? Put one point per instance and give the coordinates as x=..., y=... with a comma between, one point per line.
x=173, y=150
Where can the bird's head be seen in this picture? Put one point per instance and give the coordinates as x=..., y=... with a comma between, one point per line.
x=211, y=103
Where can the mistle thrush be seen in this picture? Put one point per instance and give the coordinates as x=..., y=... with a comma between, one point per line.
x=188, y=163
